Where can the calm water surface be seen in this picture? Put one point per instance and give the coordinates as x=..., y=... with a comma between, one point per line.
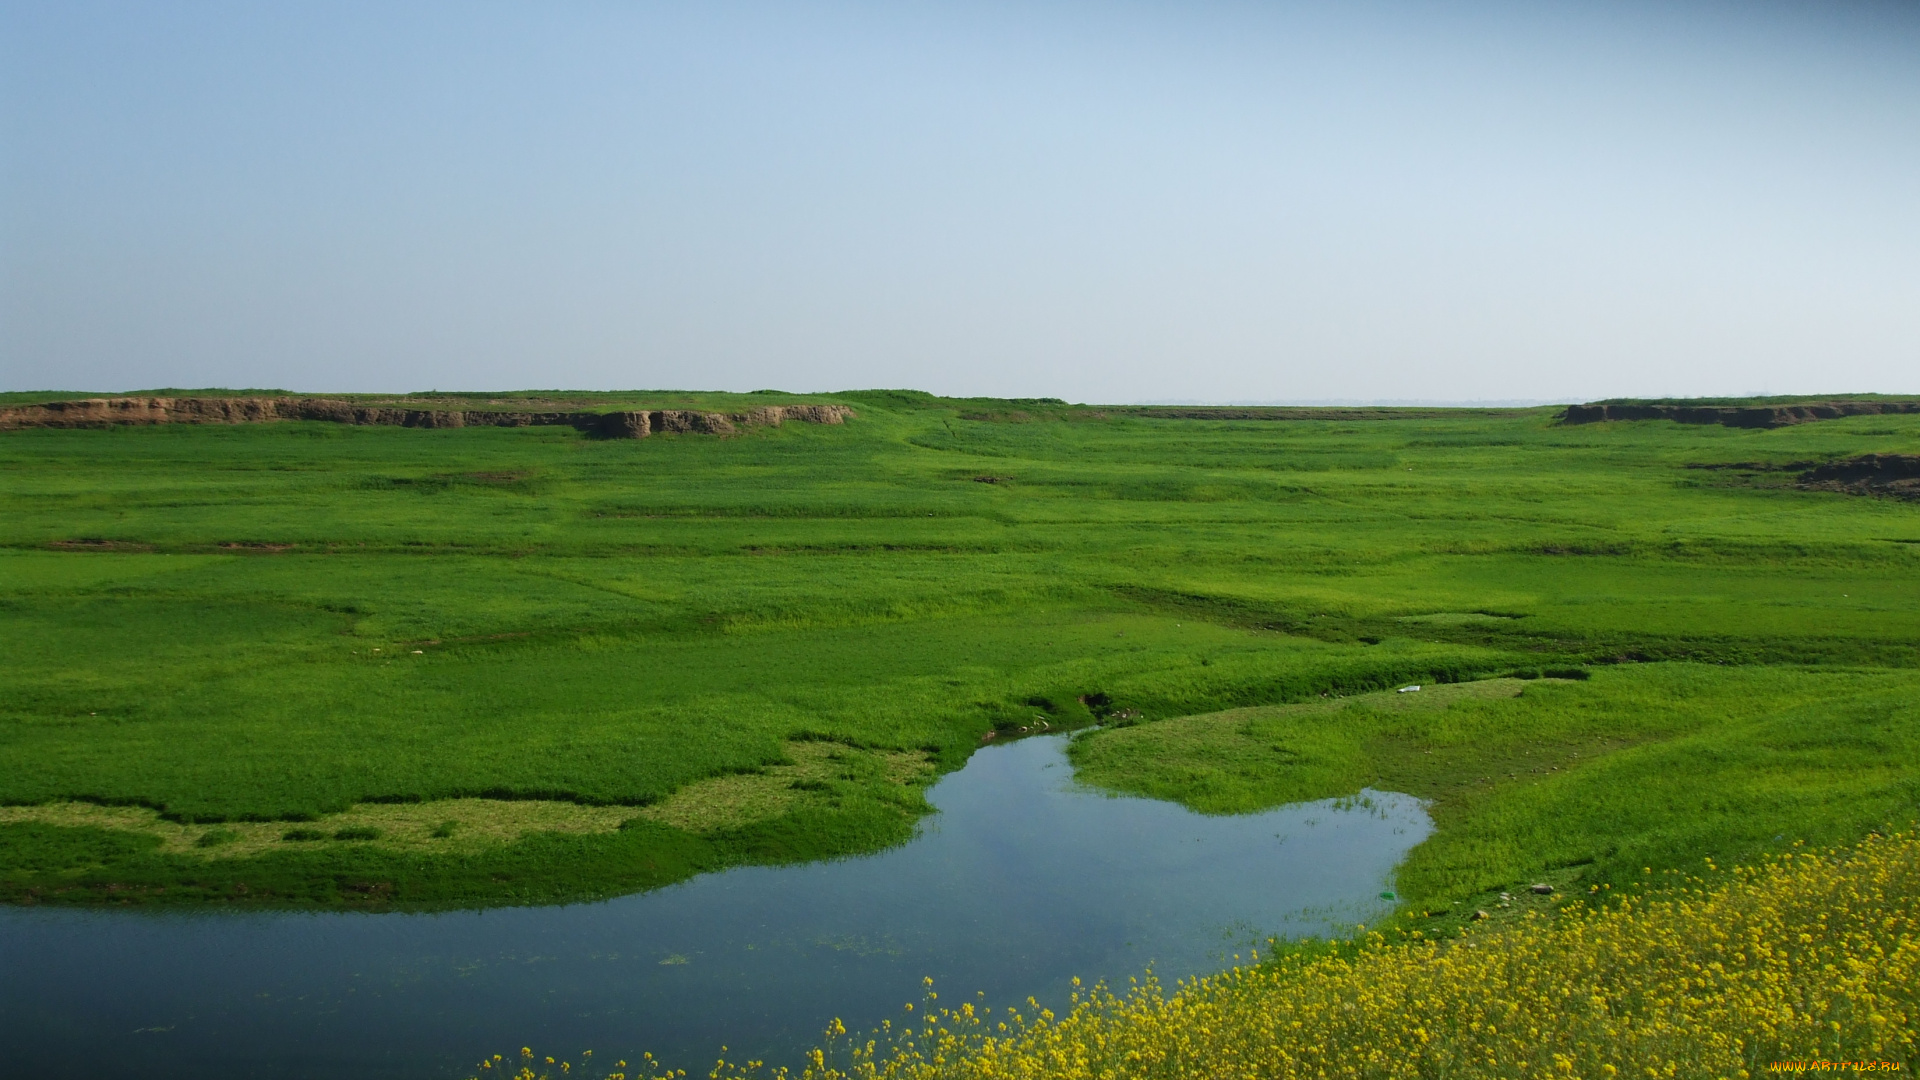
x=1022, y=881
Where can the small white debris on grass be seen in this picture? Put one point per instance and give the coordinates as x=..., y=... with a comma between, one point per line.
x=1407, y=690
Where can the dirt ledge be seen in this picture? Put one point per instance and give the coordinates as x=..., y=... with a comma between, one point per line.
x=140, y=411
x=1739, y=416
x=1895, y=475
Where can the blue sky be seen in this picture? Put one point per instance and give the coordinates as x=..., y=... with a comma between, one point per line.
x=1097, y=201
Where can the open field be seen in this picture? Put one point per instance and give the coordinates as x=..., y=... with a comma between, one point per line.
x=596, y=665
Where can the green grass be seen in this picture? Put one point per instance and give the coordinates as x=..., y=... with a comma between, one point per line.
x=279, y=622
x=1570, y=783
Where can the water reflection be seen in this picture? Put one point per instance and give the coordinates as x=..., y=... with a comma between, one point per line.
x=1023, y=880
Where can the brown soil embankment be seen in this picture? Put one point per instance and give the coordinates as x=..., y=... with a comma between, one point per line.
x=1310, y=412
x=1740, y=416
x=637, y=424
x=1897, y=475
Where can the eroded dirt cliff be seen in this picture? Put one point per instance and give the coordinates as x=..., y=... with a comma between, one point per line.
x=1741, y=416
x=634, y=424
x=1897, y=475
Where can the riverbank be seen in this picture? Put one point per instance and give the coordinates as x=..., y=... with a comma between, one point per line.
x=1800, y=962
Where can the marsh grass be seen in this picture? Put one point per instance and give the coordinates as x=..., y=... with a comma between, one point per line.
x=816, y=768
x=1575, y=783
x=513, y=629
x=417, y=827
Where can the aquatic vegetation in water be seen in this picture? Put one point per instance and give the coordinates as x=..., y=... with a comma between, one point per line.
x=531, y=1066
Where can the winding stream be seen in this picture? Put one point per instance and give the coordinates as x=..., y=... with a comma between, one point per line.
x=1023, y=880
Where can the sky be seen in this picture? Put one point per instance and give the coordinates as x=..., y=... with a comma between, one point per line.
x=1123, y=201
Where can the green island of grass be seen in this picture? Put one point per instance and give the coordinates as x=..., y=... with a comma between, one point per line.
x=302, y=663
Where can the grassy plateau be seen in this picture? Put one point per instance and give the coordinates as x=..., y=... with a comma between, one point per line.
x=317, y=664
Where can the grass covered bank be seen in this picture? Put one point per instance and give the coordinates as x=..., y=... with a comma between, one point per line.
x=1578, y=784
x=629, y=651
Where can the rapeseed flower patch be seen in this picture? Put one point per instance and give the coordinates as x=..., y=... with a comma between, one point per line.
x=1809, y=961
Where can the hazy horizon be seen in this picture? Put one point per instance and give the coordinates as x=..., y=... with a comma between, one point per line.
x=1221, y=202
x=1426, y=403
x=1422, y=403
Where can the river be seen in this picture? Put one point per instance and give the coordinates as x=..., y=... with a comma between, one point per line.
x=1023, y=880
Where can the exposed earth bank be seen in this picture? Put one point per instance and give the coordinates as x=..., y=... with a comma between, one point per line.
x=1869, y=474
x=1740, y=416
x=110, y=412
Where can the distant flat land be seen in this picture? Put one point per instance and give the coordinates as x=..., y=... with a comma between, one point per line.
x=305, y=662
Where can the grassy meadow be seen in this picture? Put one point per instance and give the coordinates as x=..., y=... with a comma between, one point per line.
x=315, y=664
